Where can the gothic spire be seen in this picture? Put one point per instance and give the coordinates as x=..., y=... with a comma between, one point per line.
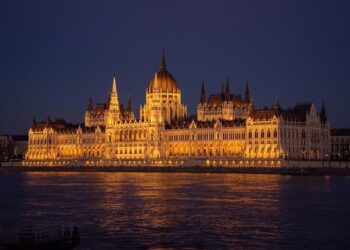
x=162, y=61
x=113, y=99
x=129, y=108
x=247, y=97
x=227, y=91
x=222, y=91
x=276, y=105
x=202, y=98
x=114, y=85
x=323, y=114
x=227, y=84
x=90, y=106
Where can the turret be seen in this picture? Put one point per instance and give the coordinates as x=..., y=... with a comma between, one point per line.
x=277, y=105
x=90, y=106
x=227, y=91
x=323, y=114
x=113, y=104
x=114, y=109
x=203, y=98
x=222, y=91
x=129, y=108
x=247, y=97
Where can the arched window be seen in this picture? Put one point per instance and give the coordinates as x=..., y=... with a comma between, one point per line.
x=109, y=138
x=125, y=135
x=275, y=133
x=262, y=134
x=268, y=133
x=256, y=134
x=250, y=134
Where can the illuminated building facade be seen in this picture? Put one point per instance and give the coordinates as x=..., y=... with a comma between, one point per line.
x=340, y=144
x=227, y=128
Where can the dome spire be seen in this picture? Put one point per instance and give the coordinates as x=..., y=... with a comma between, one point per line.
x=162, y=61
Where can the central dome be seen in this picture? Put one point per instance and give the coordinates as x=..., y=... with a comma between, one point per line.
x=163, y=81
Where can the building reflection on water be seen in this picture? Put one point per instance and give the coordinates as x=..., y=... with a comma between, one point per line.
x=159, y=210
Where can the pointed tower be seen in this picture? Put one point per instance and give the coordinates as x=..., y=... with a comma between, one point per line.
x=227, y=91
x=129, y=108
x=323, y=114
x=90, y=106
x=113, y=104
x=203, y=98
x=114, y=110
x=277, y=105
x=247, y=97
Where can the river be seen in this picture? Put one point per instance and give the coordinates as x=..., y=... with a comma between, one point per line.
x=184, y=210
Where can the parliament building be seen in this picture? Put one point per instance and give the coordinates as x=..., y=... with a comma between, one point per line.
x=226, y=130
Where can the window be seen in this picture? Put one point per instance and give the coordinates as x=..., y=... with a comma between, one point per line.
x=275, y=133
x=303, y=134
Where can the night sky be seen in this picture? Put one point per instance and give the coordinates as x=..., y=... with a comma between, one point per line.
x=55, y=54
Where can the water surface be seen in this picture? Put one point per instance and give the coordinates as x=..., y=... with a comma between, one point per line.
x=184, y=211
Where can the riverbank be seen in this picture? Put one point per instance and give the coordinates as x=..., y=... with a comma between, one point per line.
x=307, y=171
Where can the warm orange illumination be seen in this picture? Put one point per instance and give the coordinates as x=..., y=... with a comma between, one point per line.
x=227, y=129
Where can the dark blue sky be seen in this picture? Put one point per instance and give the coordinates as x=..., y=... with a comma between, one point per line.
x=55, y=54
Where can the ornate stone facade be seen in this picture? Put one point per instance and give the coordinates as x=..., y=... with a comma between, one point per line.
x=340, y=144
x=227, y=127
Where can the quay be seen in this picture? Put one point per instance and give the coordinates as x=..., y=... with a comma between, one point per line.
x=284, y=167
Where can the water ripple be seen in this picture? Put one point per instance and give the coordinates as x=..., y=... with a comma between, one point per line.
x=184, y=211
